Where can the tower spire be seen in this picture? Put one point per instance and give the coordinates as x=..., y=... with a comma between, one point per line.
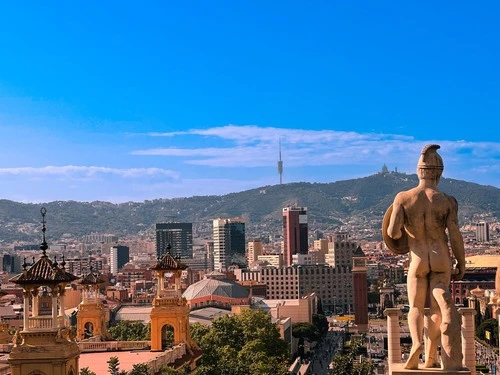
x=280, y=163
x=43, y=245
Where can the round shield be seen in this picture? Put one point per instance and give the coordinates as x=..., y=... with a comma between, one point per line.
x=399, y=246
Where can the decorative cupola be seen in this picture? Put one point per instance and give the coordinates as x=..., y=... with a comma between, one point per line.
x=91, y=315
x=46, y=342
x=169, y=307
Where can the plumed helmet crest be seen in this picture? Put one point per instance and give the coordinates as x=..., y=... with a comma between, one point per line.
x=430, y=159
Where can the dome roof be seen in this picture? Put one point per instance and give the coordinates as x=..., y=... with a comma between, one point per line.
x=216, y=287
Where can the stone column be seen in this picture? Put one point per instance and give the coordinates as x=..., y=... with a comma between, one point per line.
x=26, y=308
x=468, y=334
x=34, y=302
x=61, y=305
x=393, y=336
x=54, y=306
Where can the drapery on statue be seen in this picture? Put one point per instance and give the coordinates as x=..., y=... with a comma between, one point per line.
x=417, y=222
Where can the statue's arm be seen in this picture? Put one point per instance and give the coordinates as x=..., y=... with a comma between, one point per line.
x=395, y=228
x=456, y=239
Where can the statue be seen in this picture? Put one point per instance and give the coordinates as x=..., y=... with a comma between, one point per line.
x=417, y=223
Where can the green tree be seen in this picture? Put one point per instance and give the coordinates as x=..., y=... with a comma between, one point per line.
x=114, y=366
x=304, y=331
x=86, y=371
x=198, y=330
x=491, y=326
x=243, y=344
x=126, y=330
x=140, y=369
x=321, y=323
x=347, y=364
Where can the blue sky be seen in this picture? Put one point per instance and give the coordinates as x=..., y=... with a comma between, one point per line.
x=127, y=101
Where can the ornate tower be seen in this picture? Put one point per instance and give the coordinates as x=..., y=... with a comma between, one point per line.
x=91, y=316
x=169, y=307
x=46, y=344
x=360, y=285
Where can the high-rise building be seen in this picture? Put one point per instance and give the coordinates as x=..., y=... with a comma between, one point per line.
x=178, y=235
x=255, y=248
x=295, y=232
x=360, y=289
x=482, y=232
x=229, y=240
x=118, y=256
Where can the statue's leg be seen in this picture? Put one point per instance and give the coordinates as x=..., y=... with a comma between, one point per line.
x=417, y=291
x=432, y=322
x=451, y=337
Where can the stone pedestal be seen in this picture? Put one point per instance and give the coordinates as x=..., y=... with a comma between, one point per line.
x=397, y=369
x=468, y=340
x=393, y=336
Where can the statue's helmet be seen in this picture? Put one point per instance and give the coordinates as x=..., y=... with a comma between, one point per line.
x=430, y=159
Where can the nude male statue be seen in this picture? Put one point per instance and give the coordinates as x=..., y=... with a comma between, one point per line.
x=418, y=221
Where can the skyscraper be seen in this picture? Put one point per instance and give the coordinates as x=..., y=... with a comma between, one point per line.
x=295, y=232
x=482, y=232
x=178, y=235
x=118, y=256
x=229, y=240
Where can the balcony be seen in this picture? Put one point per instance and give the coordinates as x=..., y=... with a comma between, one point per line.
x=42, y=323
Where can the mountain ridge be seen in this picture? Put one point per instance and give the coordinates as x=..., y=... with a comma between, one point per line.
x=331, y=206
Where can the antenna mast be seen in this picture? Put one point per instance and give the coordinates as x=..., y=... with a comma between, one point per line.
x=280, y=163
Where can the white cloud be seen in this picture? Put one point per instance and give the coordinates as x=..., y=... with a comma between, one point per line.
x=86, y=171
x=255, y=146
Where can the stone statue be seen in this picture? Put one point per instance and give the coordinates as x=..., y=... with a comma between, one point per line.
x=419, y=222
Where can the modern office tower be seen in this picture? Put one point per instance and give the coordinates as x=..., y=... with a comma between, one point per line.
x=255, y=248
x=295, y=232
x=11, y=263
x=360, y=292
x=482, y=232
x=178, y=235
x=118, y=256
x=229, y=240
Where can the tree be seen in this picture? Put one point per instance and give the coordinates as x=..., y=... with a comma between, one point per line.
x=140, y=369
x=346, y=364
x=86, y=371
x=198, y=330
x=243, y=344
x=114, y=366
x=321, y=323
x=126, y=330
x=491, y=326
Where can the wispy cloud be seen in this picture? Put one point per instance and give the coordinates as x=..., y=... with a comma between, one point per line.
x=254, y=146
x=86, y=171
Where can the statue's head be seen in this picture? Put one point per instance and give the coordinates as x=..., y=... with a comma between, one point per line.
x=430, y=165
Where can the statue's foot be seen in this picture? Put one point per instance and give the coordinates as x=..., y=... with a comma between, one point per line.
x=432, y=364
x=413, y=359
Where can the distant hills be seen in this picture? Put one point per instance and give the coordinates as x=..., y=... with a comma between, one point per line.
x=357, y=204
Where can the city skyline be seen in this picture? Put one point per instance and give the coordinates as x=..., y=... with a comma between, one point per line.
x=178, y=100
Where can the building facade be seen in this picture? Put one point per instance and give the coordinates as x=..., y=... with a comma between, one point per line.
x=229, y=240
x=118, y=256
x=482, y=232
x=255, y=248
x=178, y=235
x=295, y=232
x=334, y=286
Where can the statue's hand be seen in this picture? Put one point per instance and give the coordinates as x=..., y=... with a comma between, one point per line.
x=459, y=272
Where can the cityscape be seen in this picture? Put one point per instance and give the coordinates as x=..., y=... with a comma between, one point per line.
x=249, y=188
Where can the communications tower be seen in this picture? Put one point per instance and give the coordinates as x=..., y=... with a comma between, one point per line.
x=280, y=164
